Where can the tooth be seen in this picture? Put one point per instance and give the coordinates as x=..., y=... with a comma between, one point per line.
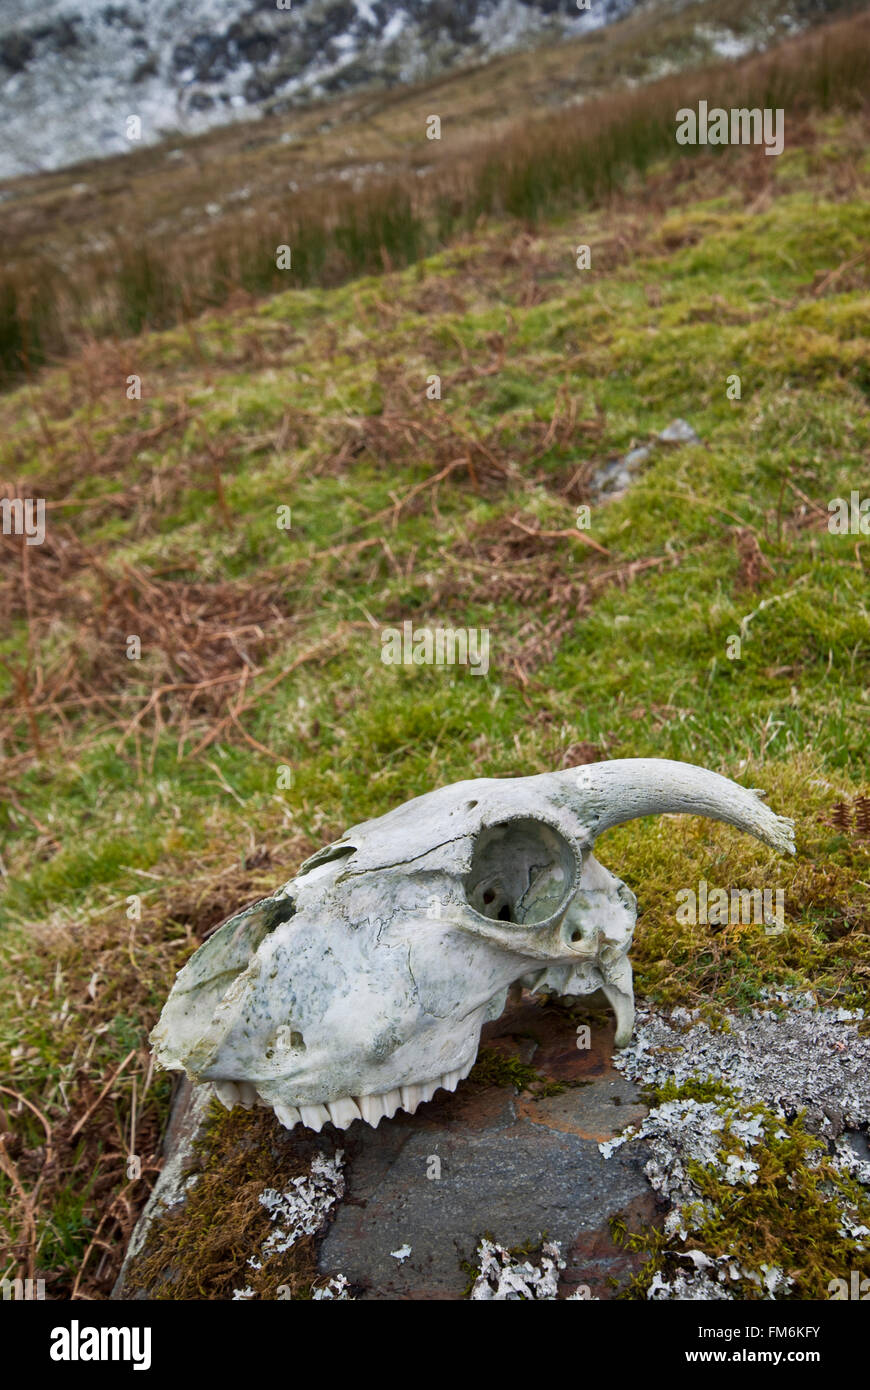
x=343, y=1112
x=391, y=1100
x=227, y=1093
x=372, y=1109
x=411, y=1097
x=247, y=1094
x=314, y=1116
x=287, y=1114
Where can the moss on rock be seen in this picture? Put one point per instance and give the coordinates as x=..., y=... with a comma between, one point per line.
x=200, y=1248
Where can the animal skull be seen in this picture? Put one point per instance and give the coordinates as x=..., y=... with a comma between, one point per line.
x=362, y=985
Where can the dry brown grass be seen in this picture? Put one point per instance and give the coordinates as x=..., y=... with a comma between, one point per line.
x=200, y=645
x=91, y=1119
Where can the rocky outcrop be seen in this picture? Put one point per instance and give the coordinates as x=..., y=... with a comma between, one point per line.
x=401, y=1211
x=84, y=66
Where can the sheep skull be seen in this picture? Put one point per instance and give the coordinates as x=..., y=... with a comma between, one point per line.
x=362, y=985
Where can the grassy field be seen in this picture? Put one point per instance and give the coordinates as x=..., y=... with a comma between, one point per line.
x=145, y=799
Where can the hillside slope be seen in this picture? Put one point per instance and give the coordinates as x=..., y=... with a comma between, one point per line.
x=73, y=71
x=145, y=799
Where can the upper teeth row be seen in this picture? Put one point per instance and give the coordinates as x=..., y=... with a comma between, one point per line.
x=343, y=1112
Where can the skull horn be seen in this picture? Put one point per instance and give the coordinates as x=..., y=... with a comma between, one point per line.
x=627, y=788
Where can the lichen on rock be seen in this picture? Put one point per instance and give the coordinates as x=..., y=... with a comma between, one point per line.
x=755, y=1145
x=504, y=1276
x=244, y=1185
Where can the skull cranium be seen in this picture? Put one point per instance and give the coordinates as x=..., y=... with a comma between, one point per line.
x=362, y=985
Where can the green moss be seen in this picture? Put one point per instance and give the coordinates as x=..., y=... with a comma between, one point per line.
x=696, y=1088
x=493, y=1068
x=200, y=1250
x=789, y=1217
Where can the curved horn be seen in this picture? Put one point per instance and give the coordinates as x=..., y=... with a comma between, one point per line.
x=627, y=788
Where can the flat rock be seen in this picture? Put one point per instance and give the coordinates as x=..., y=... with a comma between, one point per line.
x=515, y=1162
x=615, y=475
x=679, y=432
x=515, y=1167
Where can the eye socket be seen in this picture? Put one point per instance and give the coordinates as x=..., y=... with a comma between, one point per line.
x=521, y=871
